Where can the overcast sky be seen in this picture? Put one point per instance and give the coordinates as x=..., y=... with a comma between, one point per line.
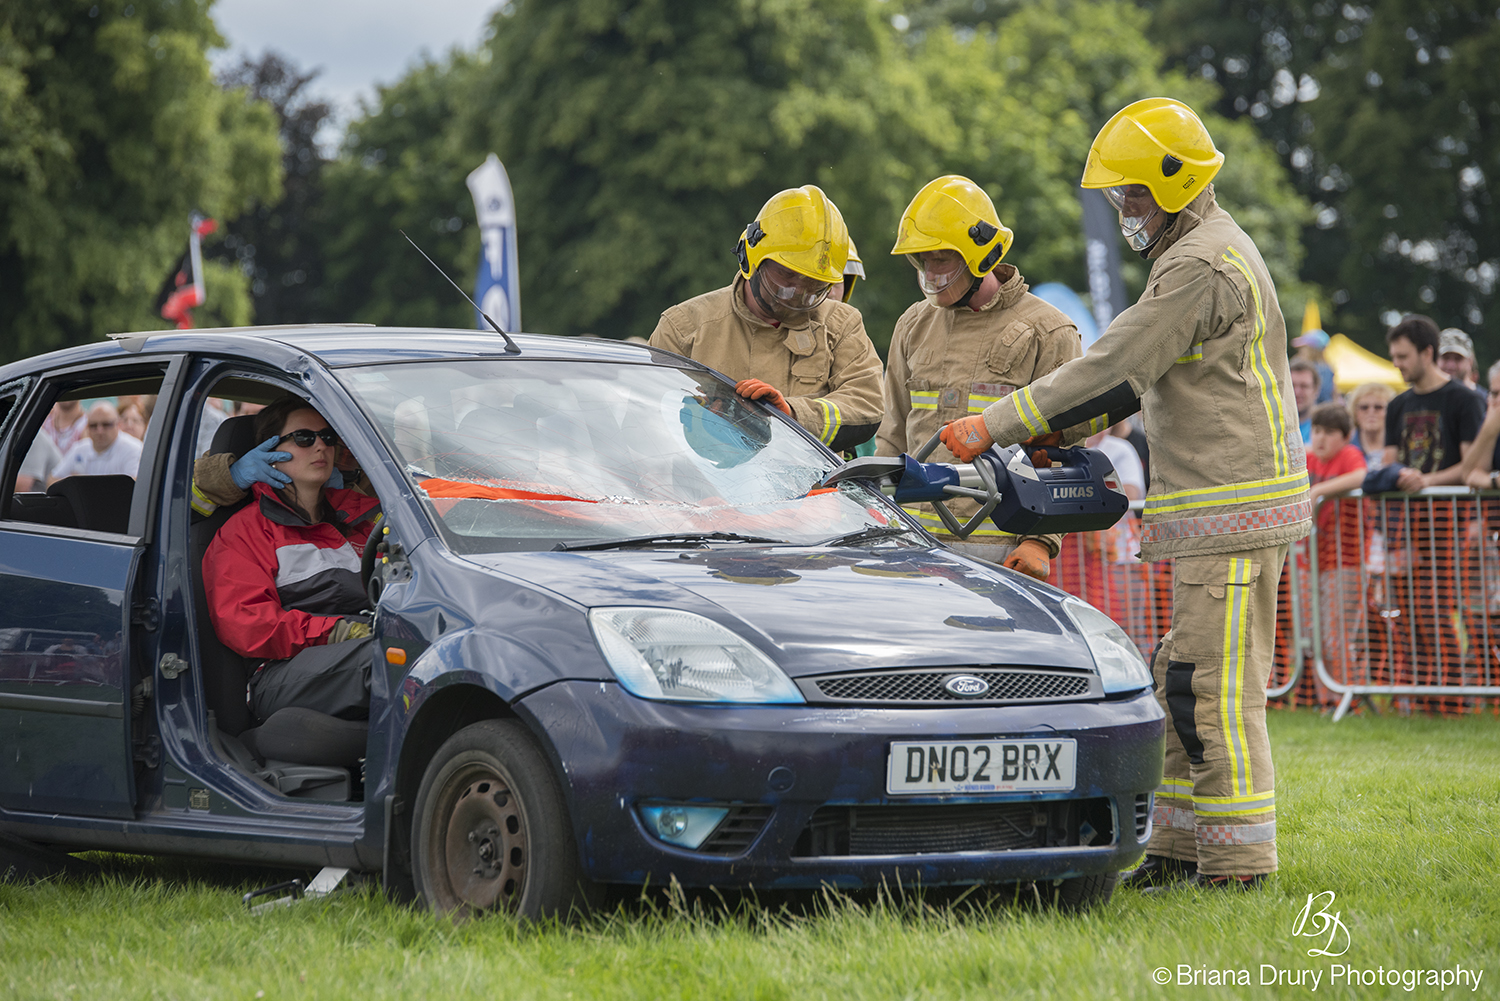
x=358, y=43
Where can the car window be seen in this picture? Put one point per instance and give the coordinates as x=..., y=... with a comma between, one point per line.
x=520, y=454
x=75, y=464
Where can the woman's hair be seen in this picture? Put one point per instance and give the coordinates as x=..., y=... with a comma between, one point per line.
x=1380, y=389
x=270, y=420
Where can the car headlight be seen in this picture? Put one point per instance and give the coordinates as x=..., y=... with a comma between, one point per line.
x=1121, y=666
x=660, y=653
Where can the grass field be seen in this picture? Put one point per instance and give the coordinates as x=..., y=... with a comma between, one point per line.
x=1399, y=818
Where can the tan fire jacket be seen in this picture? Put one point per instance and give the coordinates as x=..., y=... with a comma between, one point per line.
x=949, y=363
x=1203, y=356
x=827, y=369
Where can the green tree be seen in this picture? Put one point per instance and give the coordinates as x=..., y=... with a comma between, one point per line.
x=112, y=131
x=402, y=168
x=641, y=137
x=278, y=246
x=1054, y=71
x=1386, y=113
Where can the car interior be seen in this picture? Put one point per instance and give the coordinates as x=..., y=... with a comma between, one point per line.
x=87, y=503
x=298, y=752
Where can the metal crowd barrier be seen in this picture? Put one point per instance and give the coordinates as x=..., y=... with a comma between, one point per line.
x=1395, y=595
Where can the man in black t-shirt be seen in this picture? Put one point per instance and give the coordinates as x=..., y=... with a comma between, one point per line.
x=1430, y=427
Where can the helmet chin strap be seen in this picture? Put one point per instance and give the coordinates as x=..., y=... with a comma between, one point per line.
x=1166, y=224
x=973, y=287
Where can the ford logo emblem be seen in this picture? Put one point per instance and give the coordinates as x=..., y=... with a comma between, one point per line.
x=966, y=686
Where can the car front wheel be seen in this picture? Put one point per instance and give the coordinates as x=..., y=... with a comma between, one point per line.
x=490, y=830
x=1082, y=893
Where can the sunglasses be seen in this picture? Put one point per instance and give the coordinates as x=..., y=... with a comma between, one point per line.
x=101, y=424
x=304, y=438
x=1364, y=407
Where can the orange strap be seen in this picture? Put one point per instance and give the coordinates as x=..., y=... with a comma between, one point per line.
x=461, y=490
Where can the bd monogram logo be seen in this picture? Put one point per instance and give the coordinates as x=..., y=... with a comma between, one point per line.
x=1326, y=927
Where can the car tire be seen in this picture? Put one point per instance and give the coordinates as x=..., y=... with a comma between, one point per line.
x=1082, y=893
x=490, y=830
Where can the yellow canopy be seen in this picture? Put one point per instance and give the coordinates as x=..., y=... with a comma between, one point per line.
x=1353, y=365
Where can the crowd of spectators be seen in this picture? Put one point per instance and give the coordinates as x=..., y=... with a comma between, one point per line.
x=105, y=437
x=1395, y=586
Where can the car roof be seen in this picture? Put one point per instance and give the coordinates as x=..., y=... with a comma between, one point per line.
x=344, y=344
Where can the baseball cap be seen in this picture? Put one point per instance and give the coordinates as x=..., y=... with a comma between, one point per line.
x=1455, y=341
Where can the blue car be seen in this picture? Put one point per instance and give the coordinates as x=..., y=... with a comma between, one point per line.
x=623, y=634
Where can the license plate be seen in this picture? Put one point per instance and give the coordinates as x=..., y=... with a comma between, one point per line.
x=981, y=766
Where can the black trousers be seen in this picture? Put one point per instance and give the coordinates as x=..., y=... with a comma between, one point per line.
x=333, y=679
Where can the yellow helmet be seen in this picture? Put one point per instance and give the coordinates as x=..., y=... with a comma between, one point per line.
x=799, y=228
x=954, y=213
x=854, y=269
x=1157, y=142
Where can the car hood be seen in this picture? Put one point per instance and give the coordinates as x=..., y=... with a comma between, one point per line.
x=827, y=609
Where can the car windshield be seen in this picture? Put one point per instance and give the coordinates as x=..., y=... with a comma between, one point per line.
x=516, y=454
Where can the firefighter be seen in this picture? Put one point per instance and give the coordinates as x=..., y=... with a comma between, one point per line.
x=1203, y=355
x=776, y=330
x=976, y=336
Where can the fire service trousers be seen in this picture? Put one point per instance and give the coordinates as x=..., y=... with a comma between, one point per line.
x=1217, y=802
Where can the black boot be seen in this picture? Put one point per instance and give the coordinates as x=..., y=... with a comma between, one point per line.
x=1203, y=881
x=1158, y=870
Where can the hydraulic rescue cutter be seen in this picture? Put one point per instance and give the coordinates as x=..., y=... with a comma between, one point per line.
x=1077, y=492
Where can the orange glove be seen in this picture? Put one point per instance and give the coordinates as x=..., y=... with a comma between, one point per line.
x=754, y=389
x=1041, y=442
x=1030, y=558
x=966, y=438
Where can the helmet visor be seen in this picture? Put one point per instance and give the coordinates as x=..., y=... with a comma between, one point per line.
x=790, y=289
x=1137, y=208
x=937, y=269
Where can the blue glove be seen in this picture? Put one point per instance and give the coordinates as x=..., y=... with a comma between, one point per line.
x=256, y=467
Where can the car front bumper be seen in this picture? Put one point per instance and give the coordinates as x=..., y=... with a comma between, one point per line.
x=787, y=764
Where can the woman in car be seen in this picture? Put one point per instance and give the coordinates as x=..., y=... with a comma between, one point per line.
x=282, y=576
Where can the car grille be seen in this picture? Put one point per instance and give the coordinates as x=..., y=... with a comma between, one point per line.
x=926, y=686
x=738, y=831
x=1142, y=816
x=942, y=829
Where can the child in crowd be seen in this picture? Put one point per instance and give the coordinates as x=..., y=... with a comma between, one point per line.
x=1335, y=466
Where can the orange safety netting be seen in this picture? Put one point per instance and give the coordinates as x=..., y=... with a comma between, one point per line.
x=1391, y=591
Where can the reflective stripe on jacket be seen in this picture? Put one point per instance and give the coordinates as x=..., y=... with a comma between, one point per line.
x=827, y=369
x=277, y=584
x=948, y=363
x=1203, y=356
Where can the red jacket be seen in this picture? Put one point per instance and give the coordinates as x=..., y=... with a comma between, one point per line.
x=277, y=584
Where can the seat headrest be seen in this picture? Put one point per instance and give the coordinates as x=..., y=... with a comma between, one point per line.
x=236, y=435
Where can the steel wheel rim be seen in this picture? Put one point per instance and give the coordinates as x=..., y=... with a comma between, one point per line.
x=485, y=852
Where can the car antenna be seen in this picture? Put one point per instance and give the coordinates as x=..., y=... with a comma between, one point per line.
x=511, y=348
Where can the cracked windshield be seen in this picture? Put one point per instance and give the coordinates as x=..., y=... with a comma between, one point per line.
x=513, y=455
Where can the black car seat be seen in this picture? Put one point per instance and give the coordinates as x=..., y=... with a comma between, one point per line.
x=293, y=738
x=99, y=503
x=225, y=673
